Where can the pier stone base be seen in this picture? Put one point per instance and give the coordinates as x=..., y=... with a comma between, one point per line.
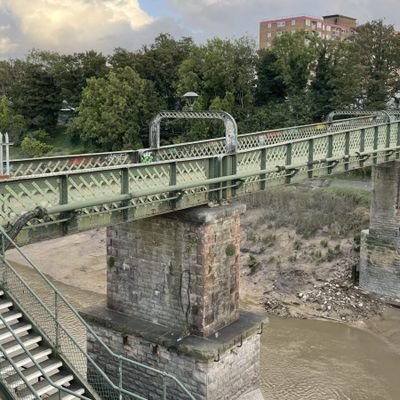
x=380, y=245
x=173, y=304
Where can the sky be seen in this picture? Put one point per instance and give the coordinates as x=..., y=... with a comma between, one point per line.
x=69, y=26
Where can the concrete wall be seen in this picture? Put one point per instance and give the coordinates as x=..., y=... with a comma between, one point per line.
x=179, y=270
x=379, y=258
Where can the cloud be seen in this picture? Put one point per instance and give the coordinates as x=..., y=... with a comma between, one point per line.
x=71, y=25
x=227, y=18
x=7, y=45
x=78, y=25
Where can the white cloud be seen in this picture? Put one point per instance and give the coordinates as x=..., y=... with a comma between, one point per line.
x=74, y=24
x=78, y=25
x=7, y=45
x=227, y=18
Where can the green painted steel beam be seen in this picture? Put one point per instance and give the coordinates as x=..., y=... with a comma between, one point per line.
x=81, y=200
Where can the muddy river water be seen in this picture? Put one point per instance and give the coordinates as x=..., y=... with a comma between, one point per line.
x=317, y=360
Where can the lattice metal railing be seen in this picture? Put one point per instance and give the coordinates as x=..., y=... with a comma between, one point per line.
x=66, y=331
x=82, y=200
x=46, y=165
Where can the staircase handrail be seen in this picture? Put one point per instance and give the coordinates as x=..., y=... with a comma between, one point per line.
x=37, y=365
x=85, y=325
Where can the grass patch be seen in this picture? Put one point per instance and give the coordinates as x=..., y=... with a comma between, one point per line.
x=341, y=212
x=61, y=142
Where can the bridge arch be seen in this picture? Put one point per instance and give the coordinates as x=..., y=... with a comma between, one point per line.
x=231, y=130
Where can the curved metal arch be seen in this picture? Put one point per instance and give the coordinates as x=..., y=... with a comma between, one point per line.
x=356, y=113
x=231, y=130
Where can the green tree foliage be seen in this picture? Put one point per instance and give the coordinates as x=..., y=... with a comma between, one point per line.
x=300, y=79
x=218, y=67
x=375, y=50
x=34, y=148
x=115, y=110
x=158, y=63
x=35, y=95
x=71, y=71
x=270, y=87
x=10, y=122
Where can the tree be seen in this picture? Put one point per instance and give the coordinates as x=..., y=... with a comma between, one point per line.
x=375, y=49
x=296, y=55
x=70, y=71
x=323, y=87
x=270, y=86
x=10, y=122
x=115, y=110
x=288, y=70
x=158, y=63
x=218, y=67
x=35, y=95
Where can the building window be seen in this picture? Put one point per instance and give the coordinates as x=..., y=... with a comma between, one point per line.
x=328, y=28
x=308, y=22
x=269, y=34
x=319, y=25
x=293, y=22
x=281, y=24
x=269, y=25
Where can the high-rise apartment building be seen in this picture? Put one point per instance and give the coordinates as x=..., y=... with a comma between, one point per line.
x=329, y=27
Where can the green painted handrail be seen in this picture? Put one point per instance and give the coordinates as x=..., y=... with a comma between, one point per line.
x=79, y=319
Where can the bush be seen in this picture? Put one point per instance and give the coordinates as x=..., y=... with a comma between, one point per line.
x=34, y=148
x=41, y=135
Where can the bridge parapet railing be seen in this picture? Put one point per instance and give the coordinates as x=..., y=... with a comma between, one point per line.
x=66, y=331
x=82, y=200
x=204, y=148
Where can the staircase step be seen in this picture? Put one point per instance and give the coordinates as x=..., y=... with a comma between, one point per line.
x=13, y=346
x=10, y=317
x=6, y=335
x=5, y=304
x=48, y=366
x=66, y=396
x=44, y=387
x=22, y=360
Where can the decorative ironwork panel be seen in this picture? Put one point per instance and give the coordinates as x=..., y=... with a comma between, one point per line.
x=47, y=165
x=17, y=197
x=248, y=162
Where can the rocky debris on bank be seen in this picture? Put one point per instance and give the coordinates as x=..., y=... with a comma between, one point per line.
x=334, y=298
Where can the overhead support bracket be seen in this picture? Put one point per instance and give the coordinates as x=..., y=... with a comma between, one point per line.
x=231, y=130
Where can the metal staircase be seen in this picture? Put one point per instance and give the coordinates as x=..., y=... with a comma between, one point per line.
x=43, y=346
x=27, y=361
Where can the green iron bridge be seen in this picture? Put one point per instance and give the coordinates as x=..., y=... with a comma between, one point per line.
x=54, y=196
x=76, y=193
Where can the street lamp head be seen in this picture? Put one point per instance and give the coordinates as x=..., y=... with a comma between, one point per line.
x=190, y=97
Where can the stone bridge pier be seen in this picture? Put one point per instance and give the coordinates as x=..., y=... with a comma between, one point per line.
x=173, y=304
x=380, y=245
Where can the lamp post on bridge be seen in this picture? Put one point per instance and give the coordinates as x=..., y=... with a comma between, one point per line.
x=231, y=130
